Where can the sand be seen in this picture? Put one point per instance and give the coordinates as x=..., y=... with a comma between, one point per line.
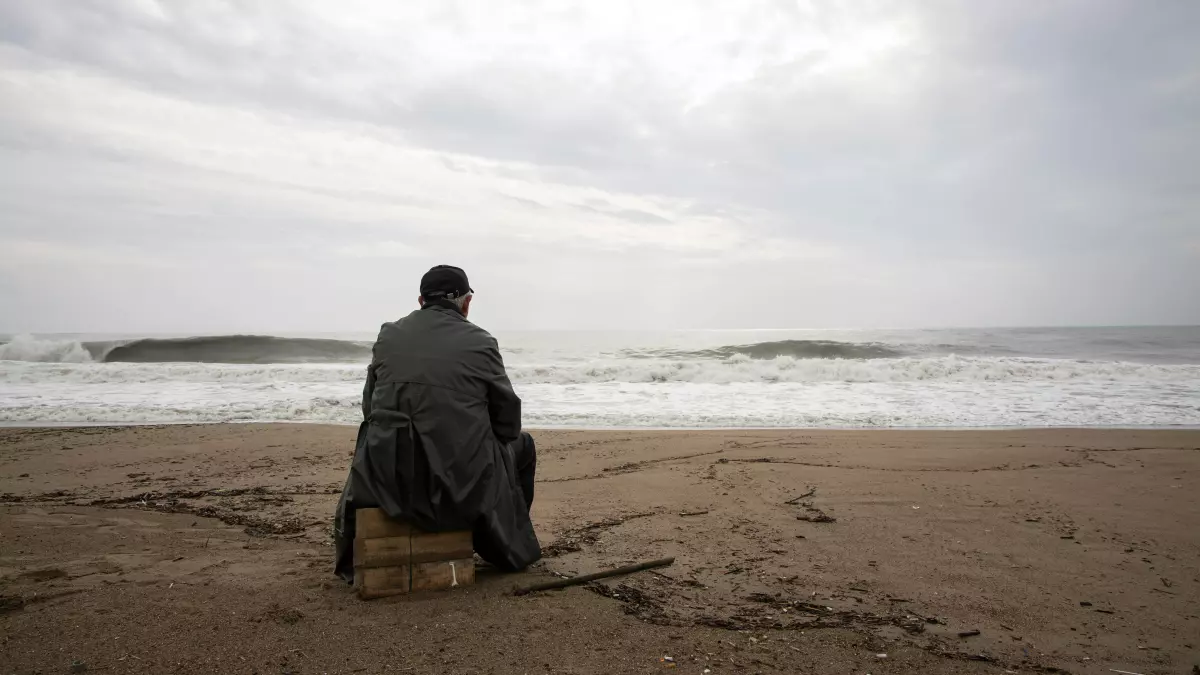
x=198, y=549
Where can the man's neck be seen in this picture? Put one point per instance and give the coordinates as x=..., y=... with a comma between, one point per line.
x=444, y=304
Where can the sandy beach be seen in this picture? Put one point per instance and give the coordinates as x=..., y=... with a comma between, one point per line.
x=198, y=549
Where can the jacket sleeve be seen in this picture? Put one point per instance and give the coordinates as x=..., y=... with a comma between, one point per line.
x=369, y=387
x=504, y=406
x=368, y=391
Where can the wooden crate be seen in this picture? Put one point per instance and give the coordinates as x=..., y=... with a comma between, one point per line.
x=393, y=557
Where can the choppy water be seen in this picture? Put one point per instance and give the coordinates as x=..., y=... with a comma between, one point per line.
x=799, y=378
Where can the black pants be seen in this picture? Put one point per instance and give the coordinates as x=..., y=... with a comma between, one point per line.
x=525, y=460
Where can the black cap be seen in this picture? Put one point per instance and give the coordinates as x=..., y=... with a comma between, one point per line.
x=445, y=281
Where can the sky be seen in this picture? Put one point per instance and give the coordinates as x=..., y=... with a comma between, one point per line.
x=268, y=166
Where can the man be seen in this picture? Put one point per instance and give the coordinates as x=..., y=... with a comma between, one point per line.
x=441, y=444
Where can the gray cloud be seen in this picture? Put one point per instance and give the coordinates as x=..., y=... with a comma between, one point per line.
x=931, y=163
x=631, y=215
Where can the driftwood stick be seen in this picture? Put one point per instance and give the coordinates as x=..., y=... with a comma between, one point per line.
x=806, y=495
x=584, y=578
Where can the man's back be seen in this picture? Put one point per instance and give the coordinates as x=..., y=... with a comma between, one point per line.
x=453, y=364
x=447, y=376
x=441, y=443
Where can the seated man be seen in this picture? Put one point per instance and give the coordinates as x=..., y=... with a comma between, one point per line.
x=441, y=445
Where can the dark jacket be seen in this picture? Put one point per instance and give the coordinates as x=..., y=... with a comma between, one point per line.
x=439, y=412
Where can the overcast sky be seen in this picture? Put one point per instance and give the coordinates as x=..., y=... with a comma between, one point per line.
x=213, y=166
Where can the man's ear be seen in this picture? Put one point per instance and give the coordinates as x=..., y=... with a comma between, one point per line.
x=467, y=304
x=420, y=301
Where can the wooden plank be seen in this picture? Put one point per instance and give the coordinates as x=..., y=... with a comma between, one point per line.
x=443, y=574
x=431, y=546
x=380, y=582
x=373, y=523
x=382, y=551
x=393, y=558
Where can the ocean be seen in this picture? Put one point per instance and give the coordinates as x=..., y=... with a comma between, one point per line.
x=1011, y=377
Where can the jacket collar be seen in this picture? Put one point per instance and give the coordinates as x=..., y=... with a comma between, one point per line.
x=445, y=306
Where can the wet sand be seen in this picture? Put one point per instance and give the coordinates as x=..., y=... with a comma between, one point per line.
x=199, y=549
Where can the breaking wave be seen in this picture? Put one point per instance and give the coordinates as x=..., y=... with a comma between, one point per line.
x=783, y=392
x=739, y=369
x=238, y=349
x=790, y=369
x=951, y=377
x=258, y=349
x=261, y=349
x=28, y=348
x=798, y=349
